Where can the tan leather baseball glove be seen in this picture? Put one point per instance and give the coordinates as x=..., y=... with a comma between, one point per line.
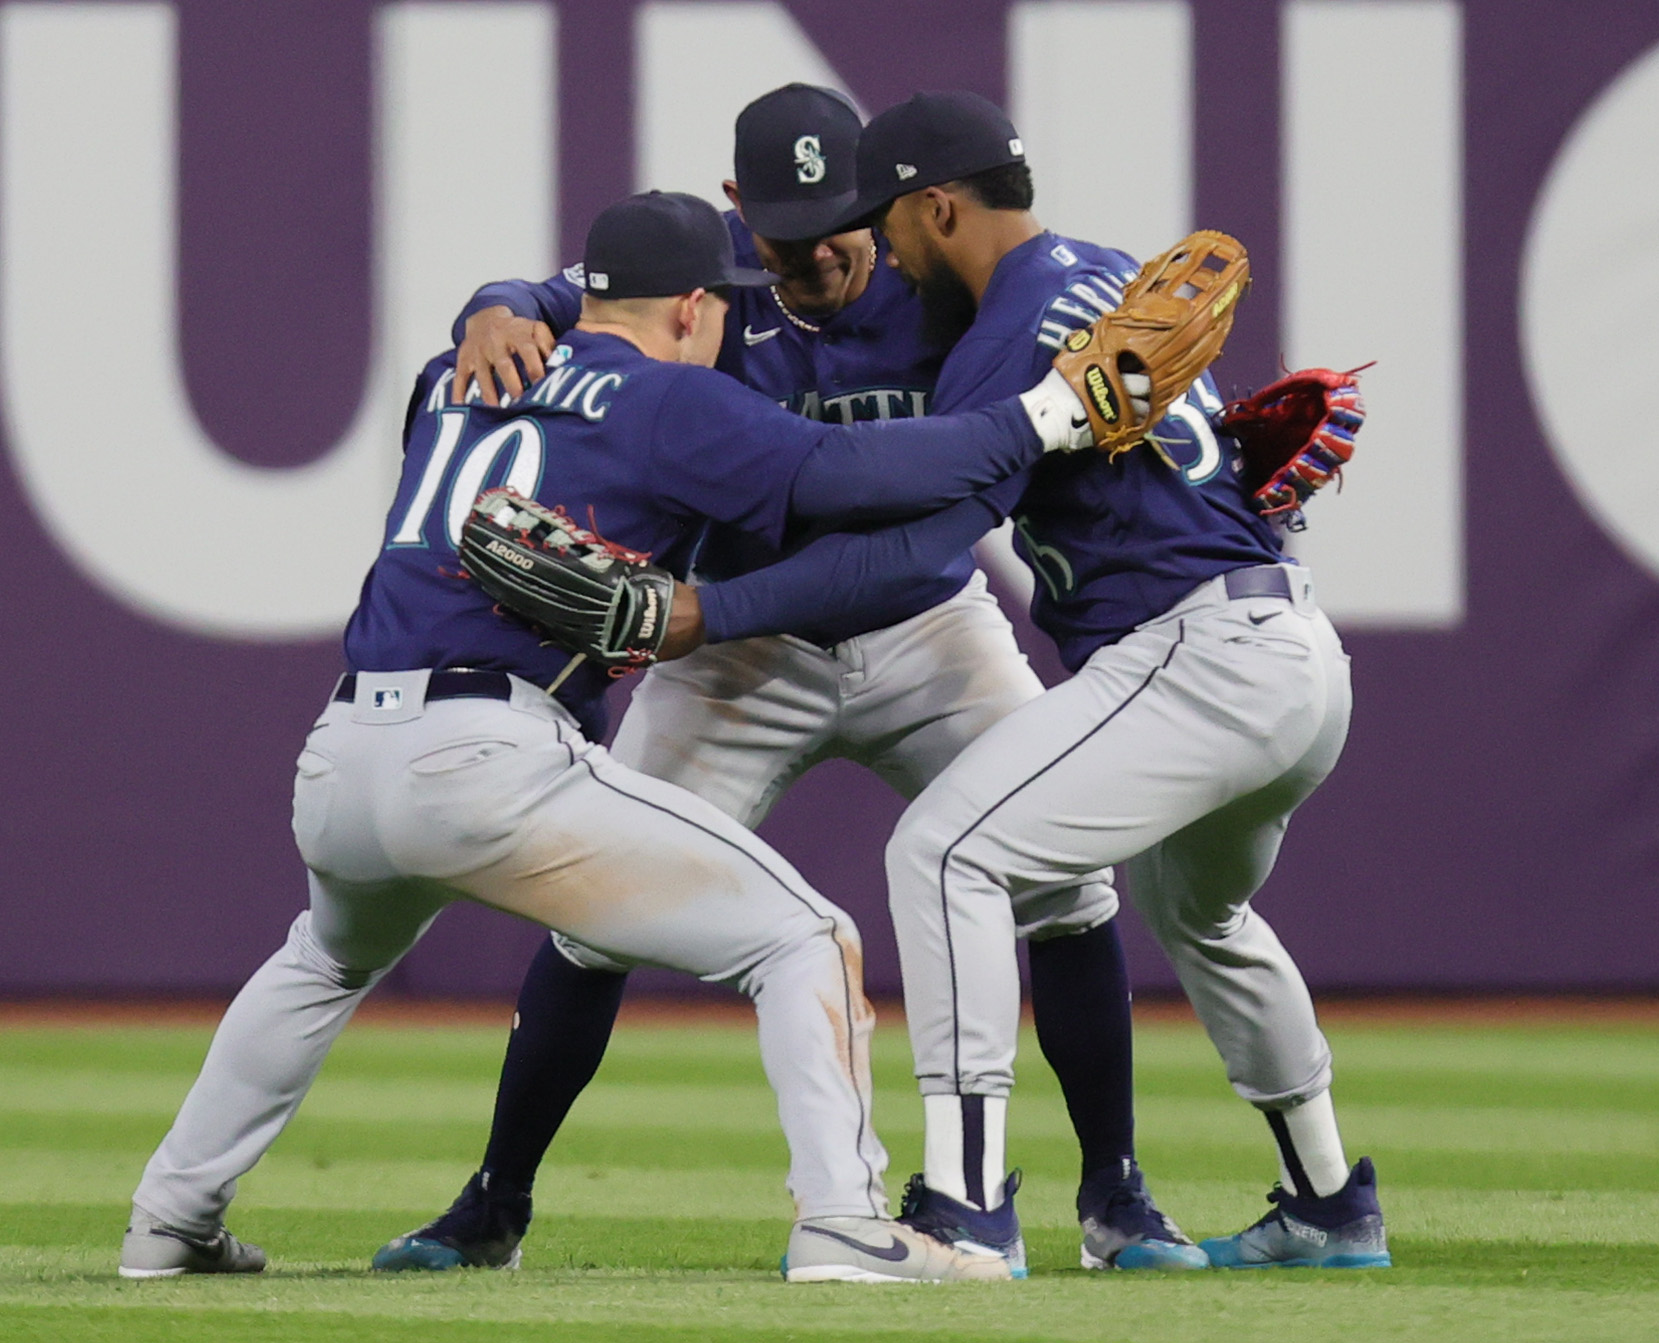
x=1135, y=362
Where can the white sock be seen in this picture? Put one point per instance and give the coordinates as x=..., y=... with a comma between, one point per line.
x=1307, y=1137
x=956, y=1123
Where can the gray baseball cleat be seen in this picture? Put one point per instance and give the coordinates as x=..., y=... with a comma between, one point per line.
x=878, y=1249
x=154, y=1249
x=1342, y=1230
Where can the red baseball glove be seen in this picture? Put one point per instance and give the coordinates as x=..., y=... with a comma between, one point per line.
x=1295, y=436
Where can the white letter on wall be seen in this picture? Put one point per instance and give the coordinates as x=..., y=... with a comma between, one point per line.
x=88, y=121
x=1373, y=266
x=1587, y=331
x=697, y=66
x=1101, y=93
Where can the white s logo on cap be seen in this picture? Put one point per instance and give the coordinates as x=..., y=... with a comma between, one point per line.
x=809, y=160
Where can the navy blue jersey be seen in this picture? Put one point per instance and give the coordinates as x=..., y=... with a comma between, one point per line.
x=645, y=452
x=871, y=360
x=1113, y=544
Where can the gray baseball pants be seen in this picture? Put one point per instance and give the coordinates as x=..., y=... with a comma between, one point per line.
x=1181, y=751
x=399, y=811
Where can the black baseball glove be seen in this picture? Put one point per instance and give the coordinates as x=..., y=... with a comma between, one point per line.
x=588, y=595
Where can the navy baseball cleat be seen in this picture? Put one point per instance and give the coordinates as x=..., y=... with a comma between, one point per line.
x=965, y=1226
x=1343, y=1230
x=156, y=1249
x=1122, y=1227
x=482, y=1229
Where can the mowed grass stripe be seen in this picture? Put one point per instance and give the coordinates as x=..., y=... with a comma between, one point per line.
x=407, y=1193
x=1164, y=1053
x=719, y=1108
x=1191, y=1308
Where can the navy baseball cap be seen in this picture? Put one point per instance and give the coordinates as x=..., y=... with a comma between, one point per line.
x=930, y=139
x=662, y=243
x=796, y=161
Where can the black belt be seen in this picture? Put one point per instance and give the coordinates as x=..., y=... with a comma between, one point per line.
x=446, y=685
x=1265, y=580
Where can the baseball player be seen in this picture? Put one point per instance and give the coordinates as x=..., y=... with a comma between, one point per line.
x=840, y=338
x=1210, y=696
x=442, y=769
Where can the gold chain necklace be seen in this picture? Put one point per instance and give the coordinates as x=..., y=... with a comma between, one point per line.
x=801, y=322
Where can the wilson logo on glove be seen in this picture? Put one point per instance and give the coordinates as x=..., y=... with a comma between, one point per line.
x=1100, y=394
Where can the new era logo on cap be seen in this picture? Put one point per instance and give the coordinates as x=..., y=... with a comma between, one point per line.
x=930, y=140
x=597, y=279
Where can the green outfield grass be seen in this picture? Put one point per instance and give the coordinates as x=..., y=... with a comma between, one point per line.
x=1519, y=1172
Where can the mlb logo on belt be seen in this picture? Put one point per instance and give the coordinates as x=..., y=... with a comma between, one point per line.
x=388, y=699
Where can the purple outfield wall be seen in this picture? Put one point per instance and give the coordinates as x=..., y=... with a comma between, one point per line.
x=1495, y=821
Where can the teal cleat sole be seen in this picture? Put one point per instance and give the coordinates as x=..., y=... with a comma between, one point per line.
x=1224, y=1252
x=417, y=1254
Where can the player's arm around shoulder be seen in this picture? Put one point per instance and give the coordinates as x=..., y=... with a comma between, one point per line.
x=506, y=332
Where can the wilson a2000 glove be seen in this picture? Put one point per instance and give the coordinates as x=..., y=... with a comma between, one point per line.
x=589, y=596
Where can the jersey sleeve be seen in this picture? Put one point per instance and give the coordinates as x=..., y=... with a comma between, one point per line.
x=556, y=301
x=726, y=452
x=844, y=583
x=883, y=469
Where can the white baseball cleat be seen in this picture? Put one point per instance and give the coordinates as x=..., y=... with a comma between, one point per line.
x=878, y=1249
x=154, y=1249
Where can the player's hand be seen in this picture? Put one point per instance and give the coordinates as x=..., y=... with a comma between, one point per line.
x=685, y=625
x=496, y=345
x=1139, y=387
x=1057, y=414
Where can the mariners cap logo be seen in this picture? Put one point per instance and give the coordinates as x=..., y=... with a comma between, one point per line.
x=905, y=171
x=809, y=160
